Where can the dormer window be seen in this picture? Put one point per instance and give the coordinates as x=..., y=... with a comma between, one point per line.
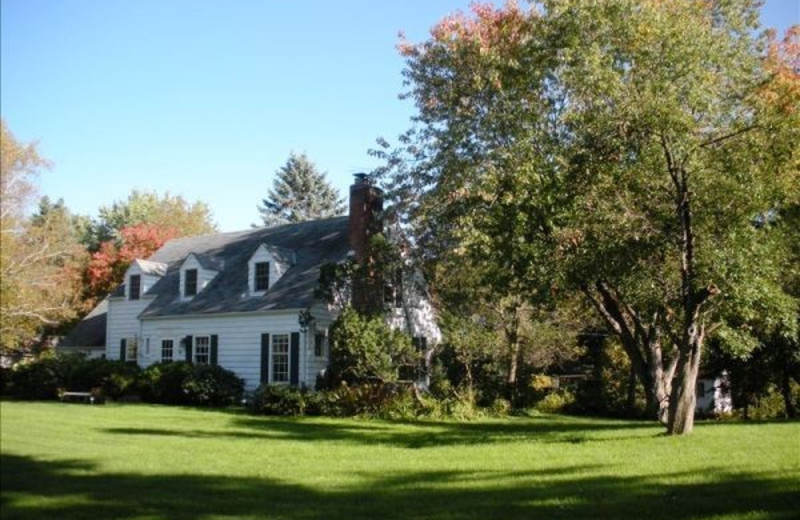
x=262, y=276
x=265, y=267
x=135, y=289
x=190, y=283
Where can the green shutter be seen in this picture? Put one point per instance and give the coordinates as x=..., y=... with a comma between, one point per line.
x=294, y=359
x=213, y=357
x=187, y=348
x=123, y=348
x=265, y=358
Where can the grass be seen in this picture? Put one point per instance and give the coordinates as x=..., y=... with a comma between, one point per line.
x=136, y=461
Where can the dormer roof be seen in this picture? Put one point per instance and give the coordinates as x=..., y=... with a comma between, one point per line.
x=151, y=268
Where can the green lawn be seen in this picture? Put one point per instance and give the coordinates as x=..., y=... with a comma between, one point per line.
x=136, y=461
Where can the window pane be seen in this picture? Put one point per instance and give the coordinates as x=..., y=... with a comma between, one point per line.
x=280, y=358
x=136, y=287
x=166, y=349
x=262, y=276
x=190, y=283
x=319, y=345
x=201, y=350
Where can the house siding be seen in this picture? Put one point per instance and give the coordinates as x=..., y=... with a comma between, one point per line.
x=239, y=340
x=123, y=323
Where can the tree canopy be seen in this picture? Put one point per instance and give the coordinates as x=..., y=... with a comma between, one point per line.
x=619, y=149
x=40, y=258
x=164, y=211
x=300, y=192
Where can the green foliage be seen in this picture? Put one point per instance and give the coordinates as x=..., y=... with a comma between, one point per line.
x=559, y=401
x=189, y=384
x=37, y=380
x=278, y=400
x=45, y=377
x=145, y=207
x=299, y=192
x=366, y=349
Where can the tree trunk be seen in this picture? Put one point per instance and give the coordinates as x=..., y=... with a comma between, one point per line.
x=641, y=343
x=684, y=397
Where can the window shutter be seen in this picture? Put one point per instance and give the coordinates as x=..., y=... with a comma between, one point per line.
x=265, y=358
x=123, y=347
x=187, y=348
x=294, y=359
x=213, y=357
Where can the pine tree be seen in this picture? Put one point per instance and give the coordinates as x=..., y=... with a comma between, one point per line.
x=300, y=192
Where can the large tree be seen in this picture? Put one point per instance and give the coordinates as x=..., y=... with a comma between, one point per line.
x=619, y=148
x=300, y=192
x=148, y=208
x=40, y=257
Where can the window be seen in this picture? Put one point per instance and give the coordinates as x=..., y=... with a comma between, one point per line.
x=131, y=350
x=319, y=344
x=190, y=282
x=167, y=349
x=135, y=287
x=280, y=358
x=202, y=350
x=261, y=276
x=701, y=388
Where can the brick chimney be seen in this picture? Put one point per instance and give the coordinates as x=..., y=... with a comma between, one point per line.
x=366, y=205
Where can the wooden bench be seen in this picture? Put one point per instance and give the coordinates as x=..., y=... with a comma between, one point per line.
x=79, y=397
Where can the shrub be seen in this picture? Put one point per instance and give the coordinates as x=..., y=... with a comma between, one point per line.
x=556, y=402
x=180, y=382
x=44, y=377
x=213, y=385
x=278, y=400
x=5, y=375
x=40, y=379
x=365, y=349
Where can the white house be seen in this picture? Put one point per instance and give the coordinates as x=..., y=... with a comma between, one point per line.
x=234, y=299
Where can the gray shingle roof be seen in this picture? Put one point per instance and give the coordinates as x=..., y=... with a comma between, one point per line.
x=312, y=244
x=90, y=331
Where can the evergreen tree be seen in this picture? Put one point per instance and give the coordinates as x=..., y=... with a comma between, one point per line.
x=300, y=192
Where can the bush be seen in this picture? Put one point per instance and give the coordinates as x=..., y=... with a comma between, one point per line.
x=44, y=377
x=213, y=385
x=556, y=402
x=365, y=349
x=40, y=379
x=183, y=383
x=5, y=375
x=278, y=400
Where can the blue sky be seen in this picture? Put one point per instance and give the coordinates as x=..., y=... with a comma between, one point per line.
x=207, y=98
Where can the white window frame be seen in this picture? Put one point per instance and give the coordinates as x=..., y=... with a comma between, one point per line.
x=196, y=349
x=174, y=349
x=272, y=355
x=130, y=287
x=196, y=282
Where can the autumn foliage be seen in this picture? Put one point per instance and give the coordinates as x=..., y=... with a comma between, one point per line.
x=108, y=265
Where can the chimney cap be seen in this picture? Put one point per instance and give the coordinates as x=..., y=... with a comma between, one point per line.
x=361, y=178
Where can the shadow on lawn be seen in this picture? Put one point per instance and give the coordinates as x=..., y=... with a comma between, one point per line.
x=34, y=489
x=414, y=435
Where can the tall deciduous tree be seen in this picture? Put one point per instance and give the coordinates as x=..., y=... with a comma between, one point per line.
x=620, y=148
x=107, y=266
x=152, y=209
x=300, y=192
x=40, y=257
